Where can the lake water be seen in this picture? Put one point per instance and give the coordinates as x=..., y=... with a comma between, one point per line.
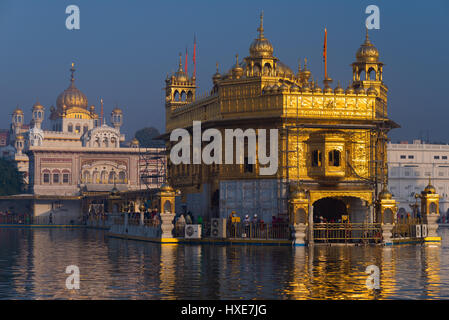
x=33, y=264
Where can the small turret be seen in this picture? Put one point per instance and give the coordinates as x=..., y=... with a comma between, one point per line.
x=117, y=118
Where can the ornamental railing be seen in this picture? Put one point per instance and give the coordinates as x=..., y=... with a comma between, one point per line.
x=347, y=232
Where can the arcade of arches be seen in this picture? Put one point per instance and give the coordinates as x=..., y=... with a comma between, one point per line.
x=337, y=209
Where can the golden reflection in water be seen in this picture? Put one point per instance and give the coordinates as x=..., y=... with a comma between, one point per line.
x=167, y=271
x=387, y=265
x=431, y=255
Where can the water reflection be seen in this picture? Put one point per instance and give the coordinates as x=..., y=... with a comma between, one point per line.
x=33, y=263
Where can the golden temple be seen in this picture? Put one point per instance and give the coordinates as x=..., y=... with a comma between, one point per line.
x=332, y=141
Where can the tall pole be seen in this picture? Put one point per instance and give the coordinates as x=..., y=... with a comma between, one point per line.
x=101, y=113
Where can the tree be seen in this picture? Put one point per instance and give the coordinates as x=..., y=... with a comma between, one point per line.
x=146, y=137
x=11, y=180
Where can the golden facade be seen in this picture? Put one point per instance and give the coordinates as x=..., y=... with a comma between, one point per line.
x=332, y=142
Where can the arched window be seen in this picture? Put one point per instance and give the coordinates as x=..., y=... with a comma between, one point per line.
x=256, y=69
x=65, y=176
x=55, y=175
x=176, y=96
x=189, y=96
x=183, y=96
x=46, y=176
x=334, y=158
x=85, y=128
x=104, y=177
x=362, y=75
x=95, y=177
x=78, y=128
x=112, y=177
x=86, y=177
x=372, y=74
x=267, y=69
x=70, y=127
x=316, y=158
x=122, y=177
x=388, y=216
x=105, y=142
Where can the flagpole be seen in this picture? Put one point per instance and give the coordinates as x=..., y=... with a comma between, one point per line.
x=326, y=80
x=194, y=55
x=186, y=61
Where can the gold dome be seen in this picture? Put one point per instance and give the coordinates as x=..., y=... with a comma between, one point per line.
x=367, y=51
x=385, y=194
x=134, y=142
x=117, y=110
x=430, y=188
x=283, y=88
x=217, y=76
x=338, y=89
x=17, y=111
x=19, y=137
x=294, y=88
x=237, y=71
x=38, y=106
x=71, y=97
x=180, y=75
x=166, y=188
x=349, y=90
x=371, y=91
x=283, y=69
x=261, y=47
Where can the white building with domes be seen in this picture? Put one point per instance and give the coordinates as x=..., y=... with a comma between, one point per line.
x=73, y=153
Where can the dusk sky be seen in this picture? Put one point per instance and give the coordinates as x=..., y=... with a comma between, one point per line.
x=125, y=49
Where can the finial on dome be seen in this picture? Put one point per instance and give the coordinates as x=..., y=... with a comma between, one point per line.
x=260, y=29
x=216, y=64
x=367, y=35
x=236, y=59
x=72, y=79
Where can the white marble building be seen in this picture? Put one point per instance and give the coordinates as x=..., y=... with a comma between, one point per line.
x=410, y=165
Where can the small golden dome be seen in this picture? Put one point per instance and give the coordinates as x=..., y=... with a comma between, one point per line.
x=328, y=89
x=349, y=90
x=430, y=188
x=367, y=51
x=92, y=108
x=38, y=106
x=217, y=76
x=284, y=70
x=17, y=111
x=283, y=88
x=371, y=91
x=166, y=188
x=237, y=71
x=261, y=47
x=19, y=137
x=267, y=89
x=134, y=142
x=294, y=88
x=306, y=88
x=275, y=88
x=338, y=89
x=360, y=90
x=317, y=89
x=385, y=194
x=180, y=75
x=117, y=110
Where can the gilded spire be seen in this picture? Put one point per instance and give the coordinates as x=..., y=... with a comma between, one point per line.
x=260, y=29
x=72, y=70
x=237, y=60
x=216, y=64
x=367, y=36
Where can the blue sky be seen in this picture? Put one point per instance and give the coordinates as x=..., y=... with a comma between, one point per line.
x=125, y=49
